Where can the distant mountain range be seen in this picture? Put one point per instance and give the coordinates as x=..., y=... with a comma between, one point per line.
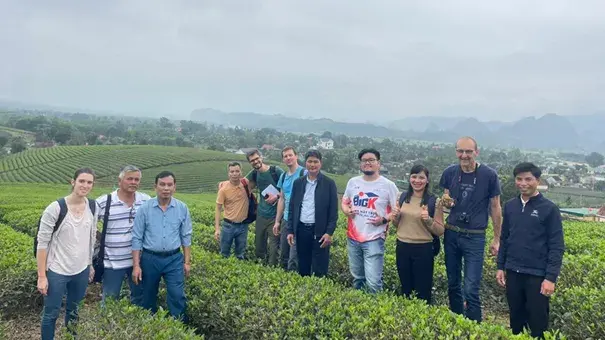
x=583, y=133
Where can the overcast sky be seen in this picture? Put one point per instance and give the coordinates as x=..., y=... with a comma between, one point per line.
x=346, y=60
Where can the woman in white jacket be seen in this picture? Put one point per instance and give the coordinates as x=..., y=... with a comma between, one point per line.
x=64, y=256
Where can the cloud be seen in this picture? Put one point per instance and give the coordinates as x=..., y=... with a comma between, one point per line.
x=353, y=60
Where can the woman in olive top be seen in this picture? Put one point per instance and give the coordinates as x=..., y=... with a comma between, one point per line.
x=420, y=218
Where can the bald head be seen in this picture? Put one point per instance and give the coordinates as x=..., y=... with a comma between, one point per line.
x=467, y=139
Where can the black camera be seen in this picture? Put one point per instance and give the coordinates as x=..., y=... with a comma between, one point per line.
x=464, y=218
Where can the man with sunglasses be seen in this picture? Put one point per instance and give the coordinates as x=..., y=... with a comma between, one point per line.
x=474, y=195
x=121, y=211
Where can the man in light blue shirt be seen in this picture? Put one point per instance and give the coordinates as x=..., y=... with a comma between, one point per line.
x=162, y=226
x=288, y=257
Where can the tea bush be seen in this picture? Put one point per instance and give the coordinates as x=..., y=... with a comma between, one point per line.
x=578, y=271
x=231, y=299
x=121, y=320
x=18, y=275
x=577, y=307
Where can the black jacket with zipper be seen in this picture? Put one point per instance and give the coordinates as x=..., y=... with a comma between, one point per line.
x=326, y=205
x=531, y=241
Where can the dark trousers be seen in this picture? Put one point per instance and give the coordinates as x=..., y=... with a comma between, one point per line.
x=311, y=258
x=528, y=308
x=288, y=258
x=415, y=263
x=155, y=267
x=263, y=234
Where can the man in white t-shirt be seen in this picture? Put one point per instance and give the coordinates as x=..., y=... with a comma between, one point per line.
x=123, y=207
x=369, y=202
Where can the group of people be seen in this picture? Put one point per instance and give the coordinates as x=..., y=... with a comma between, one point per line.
x=141, y=251
x=145, y=239
x=301, y=204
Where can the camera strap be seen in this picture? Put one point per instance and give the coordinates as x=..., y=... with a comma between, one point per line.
x=458, y=185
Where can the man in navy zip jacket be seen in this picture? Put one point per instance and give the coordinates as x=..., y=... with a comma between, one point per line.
x=531, y=252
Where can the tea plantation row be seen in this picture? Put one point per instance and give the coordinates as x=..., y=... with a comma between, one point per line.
x=196, y=169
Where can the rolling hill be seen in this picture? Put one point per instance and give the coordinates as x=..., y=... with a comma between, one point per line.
x=196, y=170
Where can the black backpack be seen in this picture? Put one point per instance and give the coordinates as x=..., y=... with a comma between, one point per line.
x=252, y=204
x=431, y=208
x=273, y=174
x=92, y=204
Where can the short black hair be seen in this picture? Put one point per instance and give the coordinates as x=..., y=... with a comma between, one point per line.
x=313, y=153
x=527, y=167
x=233, y=164
x=251, y=153
x=369, y=150
x=164, y=174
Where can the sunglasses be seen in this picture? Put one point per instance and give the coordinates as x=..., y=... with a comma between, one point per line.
x=131, y=214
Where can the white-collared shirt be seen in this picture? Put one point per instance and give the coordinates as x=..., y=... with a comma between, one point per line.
x=118, y=240
x=307, y=211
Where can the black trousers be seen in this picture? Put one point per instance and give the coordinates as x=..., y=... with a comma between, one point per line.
x=415, y=263
x=311, y=258
x=527, y=307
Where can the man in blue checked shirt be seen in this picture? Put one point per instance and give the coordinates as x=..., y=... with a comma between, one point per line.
x=161, y=228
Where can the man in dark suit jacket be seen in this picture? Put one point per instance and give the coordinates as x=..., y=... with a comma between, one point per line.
x=312, y=217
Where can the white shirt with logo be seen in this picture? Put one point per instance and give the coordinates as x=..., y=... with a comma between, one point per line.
x=368, y=200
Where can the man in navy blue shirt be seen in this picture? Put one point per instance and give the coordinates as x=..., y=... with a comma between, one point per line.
x=531, y=252
x=161, y=228
x=474, y=190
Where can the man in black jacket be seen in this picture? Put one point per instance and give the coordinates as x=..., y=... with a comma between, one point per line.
x=312, y=217
x=531, y=252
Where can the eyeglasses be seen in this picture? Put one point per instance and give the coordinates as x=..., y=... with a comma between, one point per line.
x=468, y=152
x=369, y=161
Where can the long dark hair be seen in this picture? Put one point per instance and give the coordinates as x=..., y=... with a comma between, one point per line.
x=416, y=169
x=83, y=171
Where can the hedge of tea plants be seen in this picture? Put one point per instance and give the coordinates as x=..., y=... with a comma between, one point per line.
x=121, y=320
x=234, y=299
x=577, y=307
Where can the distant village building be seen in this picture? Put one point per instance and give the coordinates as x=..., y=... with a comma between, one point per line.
x=267, y=147
x=554, y=180
x=244, y=151
x=543, y=185
x=584, y=214
x=325, y=143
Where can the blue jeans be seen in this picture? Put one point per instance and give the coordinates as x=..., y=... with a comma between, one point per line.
x=155, y=267
x=234, y=233
x=112, y=285
x=471, y=248
x=58, y=285
x=366, y=262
